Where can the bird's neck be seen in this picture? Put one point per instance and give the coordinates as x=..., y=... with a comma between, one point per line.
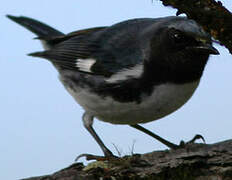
x=158, y=72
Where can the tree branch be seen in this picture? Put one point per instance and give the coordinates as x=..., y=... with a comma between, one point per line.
x=195, y=162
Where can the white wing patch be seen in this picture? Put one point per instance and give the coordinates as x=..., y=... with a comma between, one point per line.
x=85, y=64
x=124, y=74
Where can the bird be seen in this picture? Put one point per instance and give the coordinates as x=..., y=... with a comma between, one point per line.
x=132, y=72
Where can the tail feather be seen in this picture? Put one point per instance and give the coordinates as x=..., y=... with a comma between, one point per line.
x=39, y=28
x=44, y=33
x=37, y=54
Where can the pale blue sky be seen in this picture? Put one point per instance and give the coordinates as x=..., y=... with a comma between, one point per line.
x=41, y=129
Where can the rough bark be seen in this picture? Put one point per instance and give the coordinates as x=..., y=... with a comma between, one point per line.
x=194, y=162
x=212, y=15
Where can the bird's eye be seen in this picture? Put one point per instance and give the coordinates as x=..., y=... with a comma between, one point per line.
x=178, y=37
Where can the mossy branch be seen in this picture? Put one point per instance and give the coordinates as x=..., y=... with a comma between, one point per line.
x=195, y=162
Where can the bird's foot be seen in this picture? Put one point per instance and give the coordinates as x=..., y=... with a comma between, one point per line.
x=192, y=141
x=95, y=157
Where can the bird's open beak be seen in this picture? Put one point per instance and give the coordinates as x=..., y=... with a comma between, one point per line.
x=208, y=48
x=205, y=46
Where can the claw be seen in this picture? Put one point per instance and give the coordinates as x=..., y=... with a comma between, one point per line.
x=196, y=137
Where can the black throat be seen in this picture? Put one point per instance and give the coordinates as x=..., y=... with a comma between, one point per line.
x=179, y=69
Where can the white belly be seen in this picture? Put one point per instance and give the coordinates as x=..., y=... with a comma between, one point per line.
x=164, y=100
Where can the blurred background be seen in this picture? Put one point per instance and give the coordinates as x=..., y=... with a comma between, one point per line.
x=41, y=129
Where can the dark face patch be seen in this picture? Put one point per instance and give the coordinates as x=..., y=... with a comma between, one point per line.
x=170, y=59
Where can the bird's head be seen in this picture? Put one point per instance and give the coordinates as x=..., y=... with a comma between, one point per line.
x=181, y=47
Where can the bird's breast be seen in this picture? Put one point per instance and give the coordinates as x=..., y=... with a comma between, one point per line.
x=163, y=100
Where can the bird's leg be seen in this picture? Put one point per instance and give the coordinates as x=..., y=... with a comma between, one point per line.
x=88, y=122
x=160, y=139
x=165, y=142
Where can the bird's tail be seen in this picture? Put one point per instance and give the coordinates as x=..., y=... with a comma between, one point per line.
x=44, y=32
x=40, y=29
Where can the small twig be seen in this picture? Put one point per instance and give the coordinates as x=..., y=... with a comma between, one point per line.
x=119, y=152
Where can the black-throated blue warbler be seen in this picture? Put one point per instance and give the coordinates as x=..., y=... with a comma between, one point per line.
x=133, y=72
